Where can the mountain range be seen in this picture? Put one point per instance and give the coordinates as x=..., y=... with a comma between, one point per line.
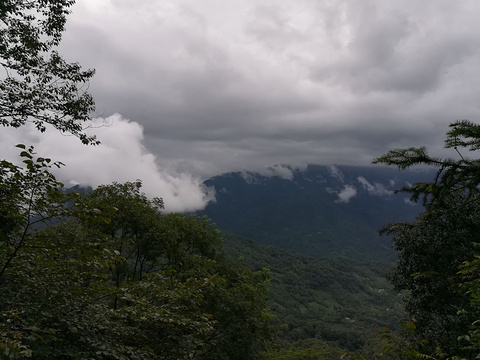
x=318, y=211
x=328, y=283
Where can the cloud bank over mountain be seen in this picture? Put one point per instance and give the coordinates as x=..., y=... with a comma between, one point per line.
x=120, y=157
x=246, y=84
x=213, y=87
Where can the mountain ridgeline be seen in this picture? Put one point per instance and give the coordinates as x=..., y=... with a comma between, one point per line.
x=318, y=211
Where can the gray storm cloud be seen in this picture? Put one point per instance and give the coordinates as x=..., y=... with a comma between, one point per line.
x=241, y=85
x=120, y=157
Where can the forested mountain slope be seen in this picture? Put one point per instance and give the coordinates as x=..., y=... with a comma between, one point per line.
x=336, y=301
x=319, y=211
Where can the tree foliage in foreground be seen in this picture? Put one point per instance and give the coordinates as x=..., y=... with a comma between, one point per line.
x=119, y=280
x=104, y=276
x=437, y=263
x=29, y=196
x=38, y=85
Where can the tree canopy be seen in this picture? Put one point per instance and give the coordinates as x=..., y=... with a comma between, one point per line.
x=105, y=274
x=120, y=280
x=457, y=177
x=438, y=252
x=38, y=86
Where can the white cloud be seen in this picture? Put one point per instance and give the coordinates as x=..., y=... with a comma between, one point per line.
x=285, y=172
x=375, y=189
x=348, y=193
x=281, y=171
x=121, y=157
x=252, y=178
x=336, y=173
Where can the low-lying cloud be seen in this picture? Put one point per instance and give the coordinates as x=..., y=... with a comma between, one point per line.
x=345, y=195
x=376, y=189
x=121, y=157
x=336, y=173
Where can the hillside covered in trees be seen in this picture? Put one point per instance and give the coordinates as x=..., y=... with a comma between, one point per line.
x=317, y=211
x=325, y=305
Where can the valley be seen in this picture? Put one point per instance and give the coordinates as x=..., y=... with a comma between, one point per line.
x=328, y=263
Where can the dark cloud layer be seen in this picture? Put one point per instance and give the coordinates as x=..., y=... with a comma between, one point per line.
x=245, y=84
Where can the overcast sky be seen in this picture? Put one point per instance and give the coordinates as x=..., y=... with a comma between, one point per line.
x=208, y=86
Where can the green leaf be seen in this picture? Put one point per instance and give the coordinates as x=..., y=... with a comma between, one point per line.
x=26, y=154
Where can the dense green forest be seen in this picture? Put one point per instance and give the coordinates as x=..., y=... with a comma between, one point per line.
x=334, y=304
x=107, y=274
x=123, y=281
